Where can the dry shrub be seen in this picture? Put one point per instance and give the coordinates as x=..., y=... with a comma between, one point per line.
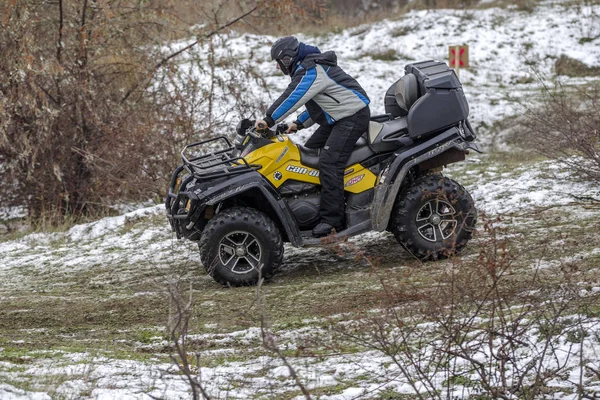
x=64, y=133
x=488, y=326
x=185, y=357
x=566, y=127
x=94, y=108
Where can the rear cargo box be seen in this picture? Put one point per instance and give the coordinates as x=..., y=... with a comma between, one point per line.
x=442, y=102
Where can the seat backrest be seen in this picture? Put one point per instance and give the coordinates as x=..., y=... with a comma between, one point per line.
x=407, y=91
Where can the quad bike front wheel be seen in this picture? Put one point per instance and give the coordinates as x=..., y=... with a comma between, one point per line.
x=240, y=245
x=434, y=217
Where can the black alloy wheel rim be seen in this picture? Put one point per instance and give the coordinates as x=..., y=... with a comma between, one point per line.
x=240, y=252
x=436, y=220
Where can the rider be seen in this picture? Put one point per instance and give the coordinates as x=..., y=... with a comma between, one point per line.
x=336, y=102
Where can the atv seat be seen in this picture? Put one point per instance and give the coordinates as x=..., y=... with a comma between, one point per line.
x=362, y=151
x=389, y=135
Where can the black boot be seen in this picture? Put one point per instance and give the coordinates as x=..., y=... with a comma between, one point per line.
x=323, y=229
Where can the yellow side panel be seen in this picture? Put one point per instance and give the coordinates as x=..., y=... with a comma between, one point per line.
x=281, y=161
x=359, y=180
x=296, y=171
x=273, y=155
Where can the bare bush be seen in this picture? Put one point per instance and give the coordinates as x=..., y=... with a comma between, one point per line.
x=65, y=135
x=178, y=327
x=482, y=328
x=566, y=127
x=94, y=106
x=186, y=356
x=269, y=340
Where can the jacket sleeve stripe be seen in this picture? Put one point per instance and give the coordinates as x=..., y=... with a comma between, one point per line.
x=303, y=117
x=296, y=95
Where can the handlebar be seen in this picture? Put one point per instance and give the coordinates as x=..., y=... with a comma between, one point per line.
x=257, y=132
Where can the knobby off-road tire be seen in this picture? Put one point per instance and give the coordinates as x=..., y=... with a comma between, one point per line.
x=236, y=243
x=433, y=218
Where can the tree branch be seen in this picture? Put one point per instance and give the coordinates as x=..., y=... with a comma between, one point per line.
x=60, y=32
x=186, y=48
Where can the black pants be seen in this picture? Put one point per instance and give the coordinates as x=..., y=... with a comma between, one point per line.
x=337, y=142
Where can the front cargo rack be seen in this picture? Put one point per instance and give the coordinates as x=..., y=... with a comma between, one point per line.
x=207, y=165
x=210, y=165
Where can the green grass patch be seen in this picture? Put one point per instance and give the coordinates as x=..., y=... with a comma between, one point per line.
x=384, y=55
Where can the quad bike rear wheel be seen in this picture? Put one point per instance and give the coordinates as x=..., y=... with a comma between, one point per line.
x=434, y=217
x=237, y=243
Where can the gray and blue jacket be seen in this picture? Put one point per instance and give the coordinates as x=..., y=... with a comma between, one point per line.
x=328, y=92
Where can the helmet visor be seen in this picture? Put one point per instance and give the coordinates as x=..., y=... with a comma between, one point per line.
x=284, y=64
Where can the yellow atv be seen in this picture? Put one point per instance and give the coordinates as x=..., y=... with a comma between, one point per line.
x=242, y=201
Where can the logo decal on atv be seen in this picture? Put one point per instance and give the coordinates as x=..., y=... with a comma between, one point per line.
x=354, y=180
x=277, y=176
x=302, y=170
x=248, y=150
x=297, y=170
x=348, y=171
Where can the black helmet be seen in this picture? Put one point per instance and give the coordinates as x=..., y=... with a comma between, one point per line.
x=285, y=52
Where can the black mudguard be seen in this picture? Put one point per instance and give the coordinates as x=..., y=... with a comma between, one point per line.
x=391, y=178
x=233, y=187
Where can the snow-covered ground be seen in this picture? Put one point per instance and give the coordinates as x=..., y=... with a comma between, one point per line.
x=111, y=379
x=503, y=44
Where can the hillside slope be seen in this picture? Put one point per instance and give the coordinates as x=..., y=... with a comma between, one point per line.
x=83, y=312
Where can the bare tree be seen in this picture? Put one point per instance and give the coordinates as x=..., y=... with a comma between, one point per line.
x=93, y=104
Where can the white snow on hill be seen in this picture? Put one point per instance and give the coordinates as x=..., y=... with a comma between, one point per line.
x=508, y=51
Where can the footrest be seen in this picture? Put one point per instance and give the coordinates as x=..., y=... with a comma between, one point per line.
x=309, y=240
